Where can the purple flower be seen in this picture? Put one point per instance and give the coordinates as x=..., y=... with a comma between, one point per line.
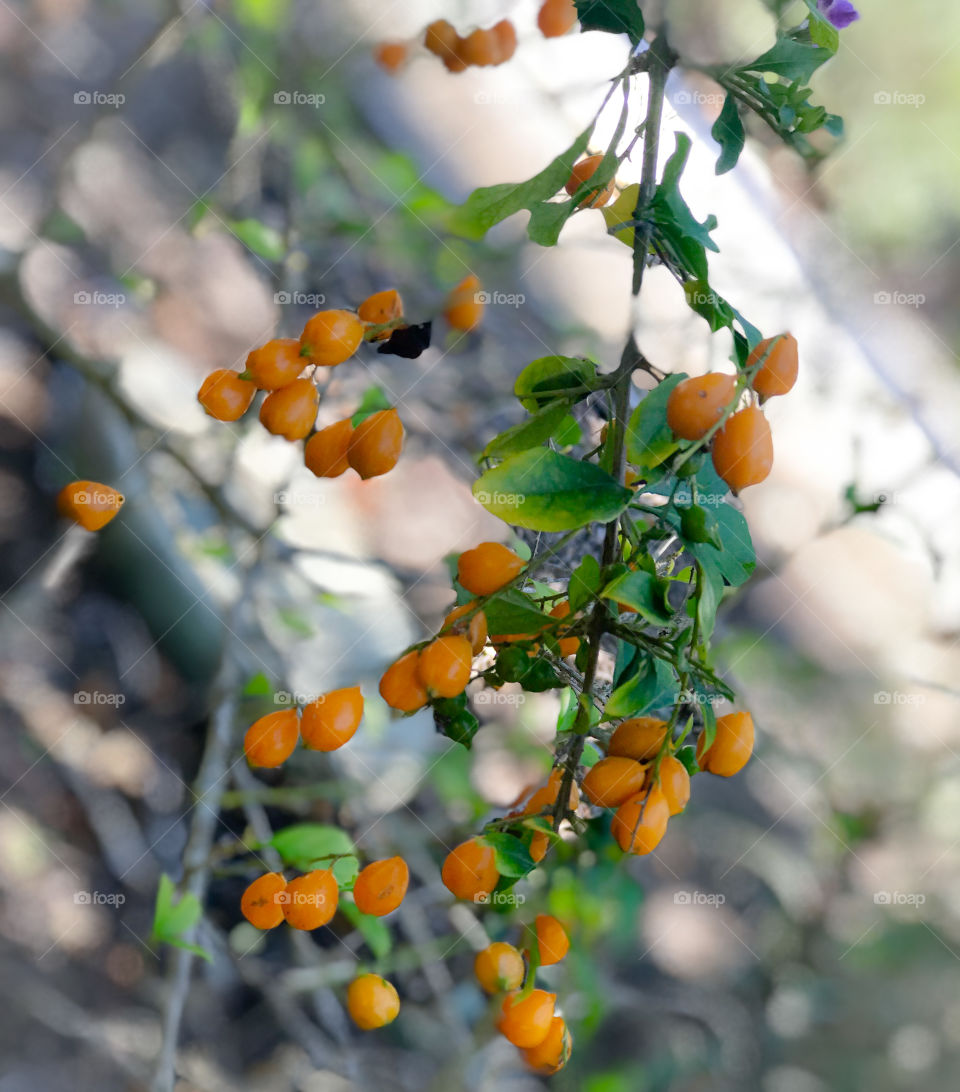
x=840, y=12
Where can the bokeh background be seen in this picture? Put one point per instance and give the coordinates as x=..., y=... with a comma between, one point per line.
x=181, y=182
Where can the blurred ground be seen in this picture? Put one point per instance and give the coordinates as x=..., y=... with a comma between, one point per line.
x=164, y=235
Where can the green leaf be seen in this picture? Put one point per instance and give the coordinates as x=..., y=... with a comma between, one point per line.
x=511, y=611
x=670, y=210
x=373, y=401
x=549, y=377
x=568, y=710
x=688, y=756
x=650, y=440
x=698, y=525
x=172, y=919
x=306, y=846
x=708, y=599
x=584, y=583
x=641, y=591
x=512, y=856
x=654, y=685
x=296, y=621
x=613, y=16
x=488, y=205
x=547, y=220
x=374, y=930
x=791, y=59
x=453, y=719
x=728, y=132
x=345, y=871
x=822, y=31
x=735, y=560
x=543, y=490
x=538, y=428
x=260, y=238
x=257, y=686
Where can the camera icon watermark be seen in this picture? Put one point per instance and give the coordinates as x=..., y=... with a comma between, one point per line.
x=512, y=500
x=898, y=98
x=699, y=898
x=300, y=299
x=500, y=299
x=98, y=697
x=898, y=697
x=500, y=898
x=698, y=98
x=500, y=697
x=99, y=898
x=899, y=299
x=99, y=299
x=99, y=98
x=295, y=697
x=299, y=98
x=899, y=898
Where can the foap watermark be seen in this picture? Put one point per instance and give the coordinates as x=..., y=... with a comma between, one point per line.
x=899, y=98
x=300, y=299
x=886, y=496
x=300, y=898
x=295, y=697
x=499, y=697
x=99, y=98
x=698, y=898
x=691, y=697
x=99, y=898
x=511, y=500
x=299, y=98
x=898, y=697
x=698, y=98
x=293, y=498
x=500, y=299
x=99, y=299
x=98, y=697
x=493, y=98
x=899, y=898
x=899, y=299
x=683, y=496
x=500, y=898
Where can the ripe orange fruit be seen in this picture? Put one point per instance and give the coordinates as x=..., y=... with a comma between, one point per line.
x=743, y=449
x=731, y=748
x=583, y=171
x=331, y=337
x=271, y=740
x=556, y=17
x=381, y=886
x=225, y=396
x=376, y=443
x=259, y=903
x=506, y=38
x=372, y=1001
x=391, y=56
x=381, y=307
x=695, y=405
x=325, y=453
x=470, y=870
x=639, y=738
x=331, y=720
x=276, y=364
x=311, y=900
x=545, y=797
x=441, y=39
x=401, y=687
x=91, y=504
x=499, y=967
x=525, y=1022
x=674, y=782
x=475, y=630
x=778, y=373
x=640, y=822
x=464, y=309
x=552, y=939
x=291, y=411
x=613, y=780
x=552, y=1054
x=487, y=568
x=568, y=645
x=444, y=666
x=480, y=48
x=539, y=844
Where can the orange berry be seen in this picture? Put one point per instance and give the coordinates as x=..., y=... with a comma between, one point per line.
x=331, y=337
x=381, y=307
x=376, y=444
x=552, y=1054
x=556, y=17
x=291, y=411
x=674, y=782
x=743, y=449
x=639, y=738
x=545, y=797
x=391, y=56
x=470, y=870
x=91, y=504
x=778, y=373
x=381, y=886
x=372, y=1001
x=441, y=39
x=276, y=364
x=731, y=748
x=325, y=453
x=526, y=1021
x=539, y=844
x=499, y=967
x=506, y=37
x=480, y=48
x=475, y=630
x=612, y=780
x=568, y=645
x=583, y=171
x=225, y=396
x=695, y=405
x=311, y=900
x=552, y=939
x=487, y=568
x=454, y=62
x=259, y=903
x=464, y=309
x=444, y=666
x=640, y=823
x=331, y=720
x=271, y=740
x=401, y=687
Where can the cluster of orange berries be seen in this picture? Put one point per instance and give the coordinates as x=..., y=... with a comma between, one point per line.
x=290, y=407
x=742, y=449
x=324, y=724
x=310, y=901
x=528, y=1017
x=92, y=505
x=481, y=47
